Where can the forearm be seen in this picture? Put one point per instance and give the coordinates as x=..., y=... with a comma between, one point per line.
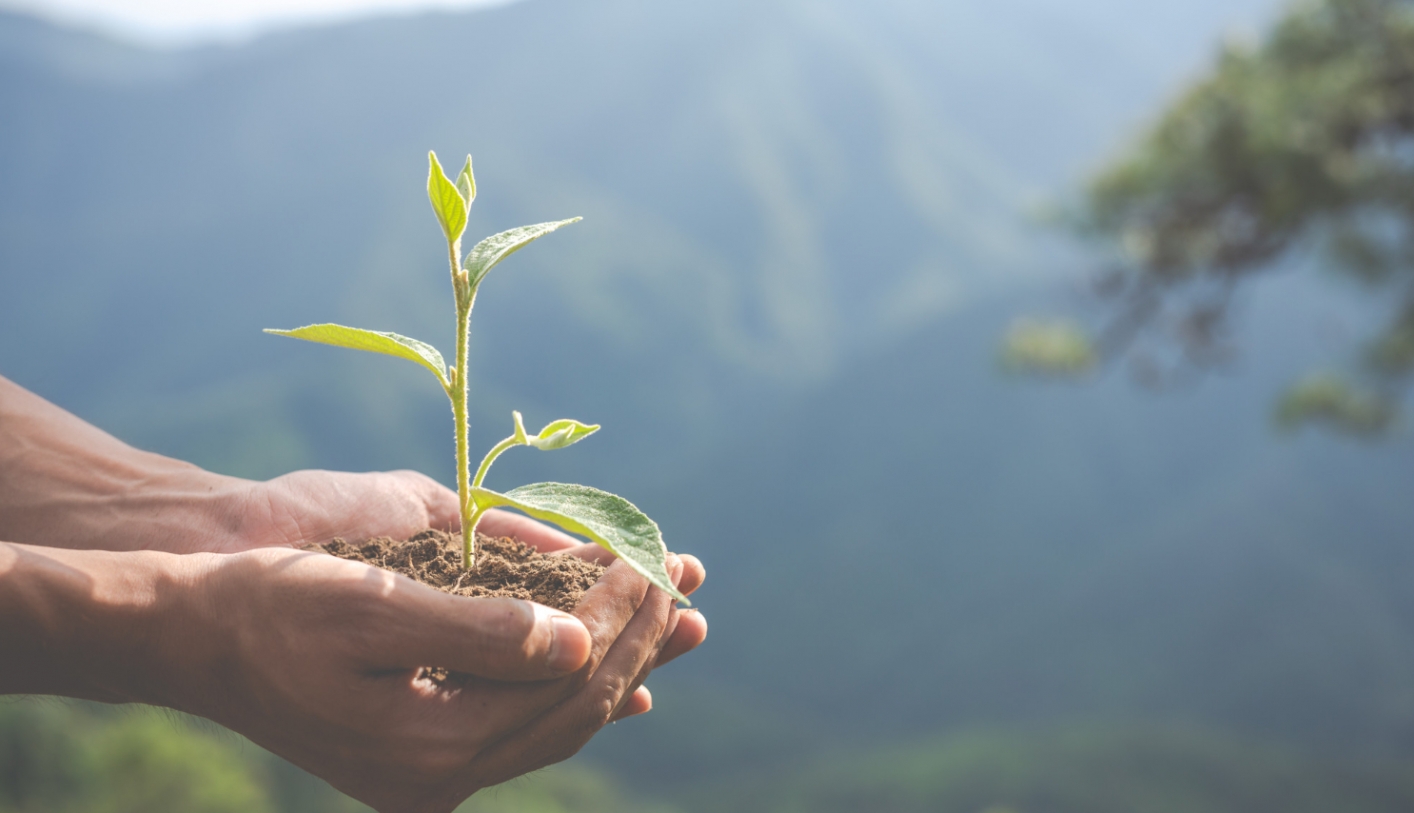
x=92, y=624
x=66, y=483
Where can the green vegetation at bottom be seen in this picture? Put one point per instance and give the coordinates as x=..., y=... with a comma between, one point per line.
x=58, y=756
x=62, y=757
x=1076, y=769
x=560, y=789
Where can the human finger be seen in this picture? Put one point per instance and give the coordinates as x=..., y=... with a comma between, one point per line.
x=546, y=539
x=693, y=571
x=627, y=665
x=675, y=572
x=591, y=552
x=640, y=702
x=532, y=532
x=560, y=732
x=607, y=608
x=690, y=633
x=693, y=574
x=496, y=638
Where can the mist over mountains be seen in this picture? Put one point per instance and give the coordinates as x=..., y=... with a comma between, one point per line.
x=806, y=224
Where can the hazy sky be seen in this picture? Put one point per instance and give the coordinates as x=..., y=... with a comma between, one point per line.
x=178, y=21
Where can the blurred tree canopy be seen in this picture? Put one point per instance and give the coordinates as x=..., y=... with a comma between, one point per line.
x=1302, y=142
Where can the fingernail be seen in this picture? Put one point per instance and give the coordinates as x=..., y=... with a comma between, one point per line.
x=675, y=568
x=569, y=644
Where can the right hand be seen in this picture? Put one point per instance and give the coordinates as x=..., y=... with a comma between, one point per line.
x=315, y=658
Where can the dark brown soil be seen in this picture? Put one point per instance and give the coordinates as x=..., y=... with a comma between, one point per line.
x=504, y=567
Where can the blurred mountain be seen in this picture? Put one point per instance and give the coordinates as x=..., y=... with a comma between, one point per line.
x=924, y=543
x=805, y=226
x=768, y=188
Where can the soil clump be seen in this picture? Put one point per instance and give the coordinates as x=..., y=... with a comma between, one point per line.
x=504, y=567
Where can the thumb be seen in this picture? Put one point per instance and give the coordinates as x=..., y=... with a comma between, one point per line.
x=497, y=638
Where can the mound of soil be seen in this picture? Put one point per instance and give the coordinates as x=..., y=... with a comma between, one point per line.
x=504, y=567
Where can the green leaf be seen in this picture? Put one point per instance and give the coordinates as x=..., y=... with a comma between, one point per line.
x=555, y=435
x=611, y=521
x=561, y=433
x=486, y=254
x=447, y=202
x=466, y=183
x=373, y=341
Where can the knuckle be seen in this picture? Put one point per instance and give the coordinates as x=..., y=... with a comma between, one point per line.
x=599, y=708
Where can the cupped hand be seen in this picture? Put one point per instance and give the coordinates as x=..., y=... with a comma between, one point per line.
x=691, y=626
x=318, y=660
x=316, y=506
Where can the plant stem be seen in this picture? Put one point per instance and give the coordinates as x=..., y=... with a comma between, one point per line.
x=490, y=458
x=466, y=298
x=459, y=412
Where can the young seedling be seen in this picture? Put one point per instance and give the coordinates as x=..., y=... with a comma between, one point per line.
x=609, y=520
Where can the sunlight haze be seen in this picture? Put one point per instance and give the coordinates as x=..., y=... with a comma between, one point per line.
x=181, y=21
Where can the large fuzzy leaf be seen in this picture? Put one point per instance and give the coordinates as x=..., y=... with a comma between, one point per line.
x=611, y=521
x=390, y=344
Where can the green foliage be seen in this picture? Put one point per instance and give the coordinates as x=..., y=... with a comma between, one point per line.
x=1057, y=348
x=1326, y=398
x=486, y=254
x=466, y=183
x=389, y=344
x=148, y=763
x=449, y=202
x=1393, y=352
x=1302, y=140
x=1299, y=133
x=56, y=759
x=610, y=521
x=76, y=757
x=562, y=789
x=555, y=435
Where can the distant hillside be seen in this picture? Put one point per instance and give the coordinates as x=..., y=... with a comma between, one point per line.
x=768, y=187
